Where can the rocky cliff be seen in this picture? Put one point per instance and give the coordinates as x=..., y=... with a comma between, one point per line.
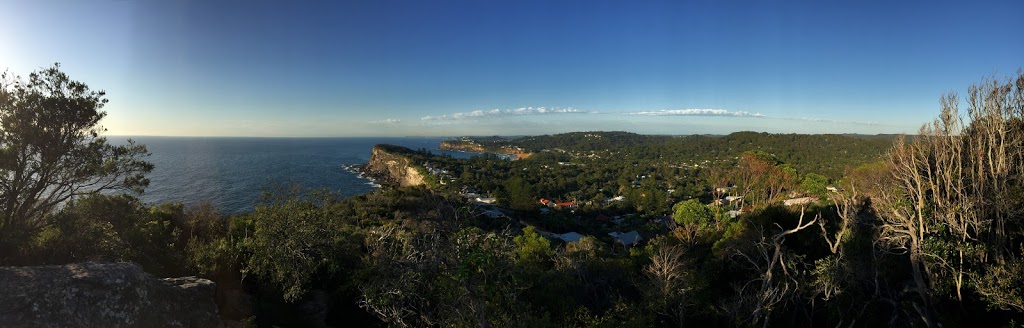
x=392, y=165
x=102, y=295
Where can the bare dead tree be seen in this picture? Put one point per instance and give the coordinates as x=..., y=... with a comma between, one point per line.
x=775, y=282
x=995, y=141
x=667, y=273
x=900, y=201
x=953, y=178
x=847, y=204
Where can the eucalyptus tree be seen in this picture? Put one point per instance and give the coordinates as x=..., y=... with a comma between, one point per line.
x=950, y=197
x=51, y=150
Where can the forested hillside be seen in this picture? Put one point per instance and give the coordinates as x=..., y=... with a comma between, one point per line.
x=826, y=154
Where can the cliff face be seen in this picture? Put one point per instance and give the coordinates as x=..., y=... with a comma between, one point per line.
x=102, y=295
x=392, y=167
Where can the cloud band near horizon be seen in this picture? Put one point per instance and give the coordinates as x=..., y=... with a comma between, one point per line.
x=691, y=112
x=697, y=112
x=504, y=112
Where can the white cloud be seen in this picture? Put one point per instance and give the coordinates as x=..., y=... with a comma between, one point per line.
x=697, y=112
x=386, y=121
x=504, y=112
x=728, y=113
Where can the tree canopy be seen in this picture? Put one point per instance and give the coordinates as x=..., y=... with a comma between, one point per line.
x=51, y=150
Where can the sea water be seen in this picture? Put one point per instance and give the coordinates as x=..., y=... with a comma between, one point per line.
x=231, y=173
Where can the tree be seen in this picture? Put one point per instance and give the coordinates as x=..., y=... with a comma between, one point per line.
x=814, y=184
x=292, y=242
x=692, y=217
x=520, y=194
x=51, y=150
x=776, y=282
x=952, y=194
x=760, y=179
x=668, y=277
x=442, y=275
x=532, y=249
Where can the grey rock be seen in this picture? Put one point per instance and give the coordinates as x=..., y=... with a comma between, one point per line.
x=98, y=294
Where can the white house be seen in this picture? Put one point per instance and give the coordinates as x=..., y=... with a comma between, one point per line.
x=486, y=200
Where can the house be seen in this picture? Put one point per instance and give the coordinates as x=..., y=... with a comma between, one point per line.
x=570, y=237
x=494, y=214
x=731, y=199
x=619, y=220
x=733, y=214
x=832, y=189
x=800, y=201
x=486, y=200
x=546, y=234
x=545, y=202
x=626, y=238
x=616, y=199
x=569, y=204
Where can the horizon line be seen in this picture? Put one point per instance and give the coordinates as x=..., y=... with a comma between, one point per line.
x=488, y=135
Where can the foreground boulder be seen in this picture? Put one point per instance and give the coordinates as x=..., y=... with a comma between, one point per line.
x=102, y=295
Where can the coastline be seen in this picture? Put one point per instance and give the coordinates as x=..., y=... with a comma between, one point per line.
x=361, y=172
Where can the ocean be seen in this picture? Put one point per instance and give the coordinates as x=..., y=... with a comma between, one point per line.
x=231, y=173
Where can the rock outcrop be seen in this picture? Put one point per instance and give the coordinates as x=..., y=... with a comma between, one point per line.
x=389, y=165
x=98, y=294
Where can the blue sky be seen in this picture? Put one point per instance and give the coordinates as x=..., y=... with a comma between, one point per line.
x=397, y=68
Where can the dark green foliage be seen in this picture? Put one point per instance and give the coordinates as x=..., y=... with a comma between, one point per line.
x=533, y=250
x=693, y=217
x=51, y=152
x=520, y=194
x=291, y=242
x=100, y=228
x=825, y=154
x=120, y=228
x=814, y=185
